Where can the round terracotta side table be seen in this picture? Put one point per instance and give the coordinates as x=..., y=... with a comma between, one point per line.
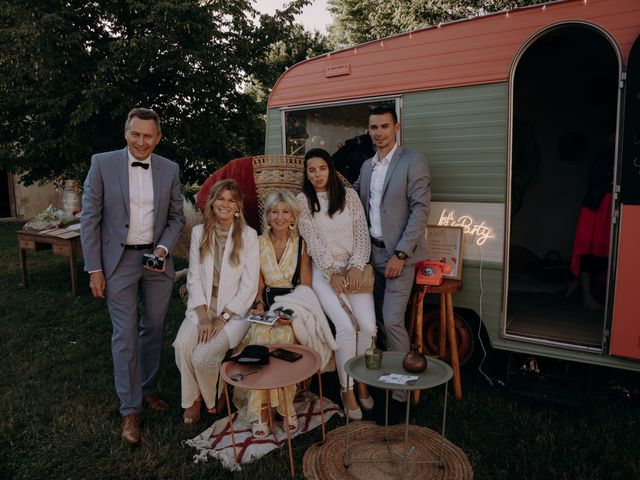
x=276, y=374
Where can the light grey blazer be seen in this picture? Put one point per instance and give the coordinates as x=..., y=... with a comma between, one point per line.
x=406, y=202
x=105, y=209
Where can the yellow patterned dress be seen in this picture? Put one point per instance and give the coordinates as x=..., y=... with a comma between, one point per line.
x=278, y=275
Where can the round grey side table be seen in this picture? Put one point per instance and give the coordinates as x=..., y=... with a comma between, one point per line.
x=437, y=373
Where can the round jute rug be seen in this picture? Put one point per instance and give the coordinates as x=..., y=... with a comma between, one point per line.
x=367, y=444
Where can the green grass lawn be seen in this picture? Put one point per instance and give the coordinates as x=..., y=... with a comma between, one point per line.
x=59, y=412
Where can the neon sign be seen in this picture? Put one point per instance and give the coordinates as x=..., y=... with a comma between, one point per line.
x=481, y=231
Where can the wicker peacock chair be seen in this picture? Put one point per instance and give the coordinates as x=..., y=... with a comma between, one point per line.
x=257, y=176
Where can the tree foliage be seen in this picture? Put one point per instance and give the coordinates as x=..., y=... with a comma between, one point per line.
x=71, y=70
x=358, y=21
x=295, y=47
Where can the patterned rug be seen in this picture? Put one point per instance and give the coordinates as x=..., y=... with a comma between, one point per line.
x=215, y=442
x=367, y=444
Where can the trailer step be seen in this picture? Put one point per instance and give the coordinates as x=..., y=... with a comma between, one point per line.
x=550, y=380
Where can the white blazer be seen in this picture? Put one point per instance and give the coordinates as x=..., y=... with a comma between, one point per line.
x=237, y=287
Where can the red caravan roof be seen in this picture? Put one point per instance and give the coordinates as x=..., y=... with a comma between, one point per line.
x=473, y=51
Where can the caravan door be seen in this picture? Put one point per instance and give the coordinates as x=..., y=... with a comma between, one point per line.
x=625, y=323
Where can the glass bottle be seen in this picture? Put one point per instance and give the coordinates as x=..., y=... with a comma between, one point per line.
x=71, y=197
x=373, y=356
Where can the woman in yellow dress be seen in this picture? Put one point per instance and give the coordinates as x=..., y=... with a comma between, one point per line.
x=284, y=263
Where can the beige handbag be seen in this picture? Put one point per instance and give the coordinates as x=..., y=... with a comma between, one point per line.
x=366, y=283
x=366, y=286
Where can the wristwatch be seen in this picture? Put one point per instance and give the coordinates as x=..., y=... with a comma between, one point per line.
x=400, y=254
x=226, y=316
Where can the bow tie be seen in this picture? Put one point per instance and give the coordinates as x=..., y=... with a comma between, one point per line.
x=140, y=164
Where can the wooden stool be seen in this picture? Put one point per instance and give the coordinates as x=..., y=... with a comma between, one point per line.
x=447, y=327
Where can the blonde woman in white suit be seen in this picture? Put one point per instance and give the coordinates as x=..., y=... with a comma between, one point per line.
x=224, y=268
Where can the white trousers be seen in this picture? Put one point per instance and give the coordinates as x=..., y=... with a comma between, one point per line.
x=349, y=343
x=199, y=364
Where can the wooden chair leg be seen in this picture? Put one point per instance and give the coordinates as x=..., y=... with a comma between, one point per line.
x=416, y=333
x=442, y=330
x=453, y=348
x=419, y=332
x=414, y=304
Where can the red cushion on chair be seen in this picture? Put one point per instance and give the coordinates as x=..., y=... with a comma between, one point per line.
x=240, y=170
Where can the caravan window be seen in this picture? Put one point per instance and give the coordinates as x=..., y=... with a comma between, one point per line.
x=339, y=129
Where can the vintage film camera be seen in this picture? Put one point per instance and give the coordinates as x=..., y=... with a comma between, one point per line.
x=152, y=261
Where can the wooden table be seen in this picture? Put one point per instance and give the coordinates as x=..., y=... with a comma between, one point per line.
x=31, y=240
x=276, y=374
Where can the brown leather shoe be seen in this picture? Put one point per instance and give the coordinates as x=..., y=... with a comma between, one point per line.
x=192, y=414
x=155, y=403
x=221, y=404
x=131, y=429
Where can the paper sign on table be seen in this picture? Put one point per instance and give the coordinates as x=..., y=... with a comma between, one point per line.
x=397, y=378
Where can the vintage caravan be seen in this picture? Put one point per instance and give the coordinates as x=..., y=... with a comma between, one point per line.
x=519, y=115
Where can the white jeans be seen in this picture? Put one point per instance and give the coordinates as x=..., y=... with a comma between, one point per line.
x=349, y=342
x=199, y=364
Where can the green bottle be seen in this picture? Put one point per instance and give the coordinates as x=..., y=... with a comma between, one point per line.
x=373, y=356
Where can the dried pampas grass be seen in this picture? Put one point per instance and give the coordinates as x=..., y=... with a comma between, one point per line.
x=193, y=218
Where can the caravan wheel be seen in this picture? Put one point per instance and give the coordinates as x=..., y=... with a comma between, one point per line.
x=464, y=335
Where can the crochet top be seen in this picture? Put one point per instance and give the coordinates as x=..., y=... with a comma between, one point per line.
x=338, y=241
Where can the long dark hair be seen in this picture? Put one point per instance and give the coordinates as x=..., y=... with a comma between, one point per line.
x=335, y=189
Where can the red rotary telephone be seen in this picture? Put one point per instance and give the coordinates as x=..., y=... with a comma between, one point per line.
x=430, y=272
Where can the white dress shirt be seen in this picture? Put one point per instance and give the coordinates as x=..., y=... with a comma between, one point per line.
x=140, y=203
x=378, y=175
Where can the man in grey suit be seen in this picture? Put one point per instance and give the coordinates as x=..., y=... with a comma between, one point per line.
x=395, y=190
x=132, y=207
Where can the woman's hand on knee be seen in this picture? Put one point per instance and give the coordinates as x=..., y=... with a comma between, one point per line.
x=217, y=325
x=204, y=332
x=209, y=329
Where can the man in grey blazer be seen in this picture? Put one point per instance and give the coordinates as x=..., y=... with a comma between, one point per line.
x=395, y=190
x=132, y=206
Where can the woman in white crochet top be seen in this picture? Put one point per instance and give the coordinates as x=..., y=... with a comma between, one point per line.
x=333, y=224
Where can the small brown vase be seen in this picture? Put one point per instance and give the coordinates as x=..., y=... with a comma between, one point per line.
x=414, y=361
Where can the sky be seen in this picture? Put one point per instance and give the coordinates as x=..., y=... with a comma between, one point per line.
x=313, y=17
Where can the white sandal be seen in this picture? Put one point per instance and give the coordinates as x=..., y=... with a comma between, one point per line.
x=293, y=423
x=355, y=414
x=366, y=403
x=259, y=428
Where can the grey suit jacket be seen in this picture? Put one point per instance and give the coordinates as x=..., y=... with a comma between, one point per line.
x=406, y=202
x=105, y=209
